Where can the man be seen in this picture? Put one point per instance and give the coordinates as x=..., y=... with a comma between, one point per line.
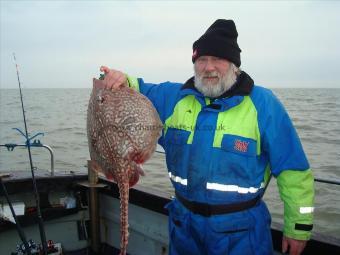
x=224, y=137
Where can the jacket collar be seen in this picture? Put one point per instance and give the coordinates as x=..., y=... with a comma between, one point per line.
x=243, y=86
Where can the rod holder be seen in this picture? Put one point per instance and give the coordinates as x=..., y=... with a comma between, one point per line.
x=93, y=207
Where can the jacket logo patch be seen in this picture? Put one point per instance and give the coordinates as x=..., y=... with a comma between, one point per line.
x=241, y=146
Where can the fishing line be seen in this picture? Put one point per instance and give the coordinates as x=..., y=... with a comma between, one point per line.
x=36, y=194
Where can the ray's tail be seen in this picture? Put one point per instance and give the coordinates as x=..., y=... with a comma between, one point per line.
x=124, y=225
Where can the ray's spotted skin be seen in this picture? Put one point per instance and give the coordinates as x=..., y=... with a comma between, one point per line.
x=122, y=128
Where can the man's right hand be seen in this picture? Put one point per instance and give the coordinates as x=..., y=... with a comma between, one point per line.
x=113, y=79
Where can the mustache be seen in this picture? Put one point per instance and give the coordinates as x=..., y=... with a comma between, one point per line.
x=210, y=75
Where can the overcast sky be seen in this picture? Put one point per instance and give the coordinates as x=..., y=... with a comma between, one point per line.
x=62, y=44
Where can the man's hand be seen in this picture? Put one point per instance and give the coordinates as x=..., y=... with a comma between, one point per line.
x=113, y=79
x=295, y=246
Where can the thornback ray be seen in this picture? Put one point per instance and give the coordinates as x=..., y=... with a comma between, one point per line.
x=123, y=128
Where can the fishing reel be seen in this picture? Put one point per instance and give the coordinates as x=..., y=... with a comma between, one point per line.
x=21, y=249
x=52, y=248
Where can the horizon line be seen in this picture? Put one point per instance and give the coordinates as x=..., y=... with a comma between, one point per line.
x=91, y=87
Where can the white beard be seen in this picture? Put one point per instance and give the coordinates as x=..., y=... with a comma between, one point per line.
x=214, y=90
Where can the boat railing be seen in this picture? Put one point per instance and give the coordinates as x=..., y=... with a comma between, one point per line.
x=35, y=143
x=328, y=181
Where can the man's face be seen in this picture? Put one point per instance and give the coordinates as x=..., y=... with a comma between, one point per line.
x=213, y=75
x=205, y=66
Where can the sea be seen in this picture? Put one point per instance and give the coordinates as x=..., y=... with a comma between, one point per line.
x=60, y=114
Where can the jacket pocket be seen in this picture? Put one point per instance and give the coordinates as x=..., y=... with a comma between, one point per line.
x=221, y=224
x=179, y=234
x=233, y=231
x=177, y=136
x=234, y=164
x=177, y=155
x=177, y=215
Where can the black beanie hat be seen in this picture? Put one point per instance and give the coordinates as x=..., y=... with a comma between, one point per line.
x=220, y=40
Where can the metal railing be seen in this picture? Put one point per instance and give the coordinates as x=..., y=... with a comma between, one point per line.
x=36, y=143
x=328, y=181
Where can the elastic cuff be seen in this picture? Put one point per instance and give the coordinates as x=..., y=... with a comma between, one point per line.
x=133, y=82
x=298, y=235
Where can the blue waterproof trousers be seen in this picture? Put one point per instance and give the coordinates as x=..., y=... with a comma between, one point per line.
x=246, y=232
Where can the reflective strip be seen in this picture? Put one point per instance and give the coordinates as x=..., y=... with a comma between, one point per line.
x=233, y=188
x=304, y=210
x=178, y=179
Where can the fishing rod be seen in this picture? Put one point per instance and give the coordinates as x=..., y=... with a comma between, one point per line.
x=36, y=194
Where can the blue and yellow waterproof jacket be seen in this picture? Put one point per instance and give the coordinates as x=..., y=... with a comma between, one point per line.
x=223, y=151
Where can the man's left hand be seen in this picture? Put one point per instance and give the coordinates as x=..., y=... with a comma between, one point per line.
x=295, y=246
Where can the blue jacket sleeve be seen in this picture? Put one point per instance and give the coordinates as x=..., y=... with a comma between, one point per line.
x=288, y=162
x=279, y=138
